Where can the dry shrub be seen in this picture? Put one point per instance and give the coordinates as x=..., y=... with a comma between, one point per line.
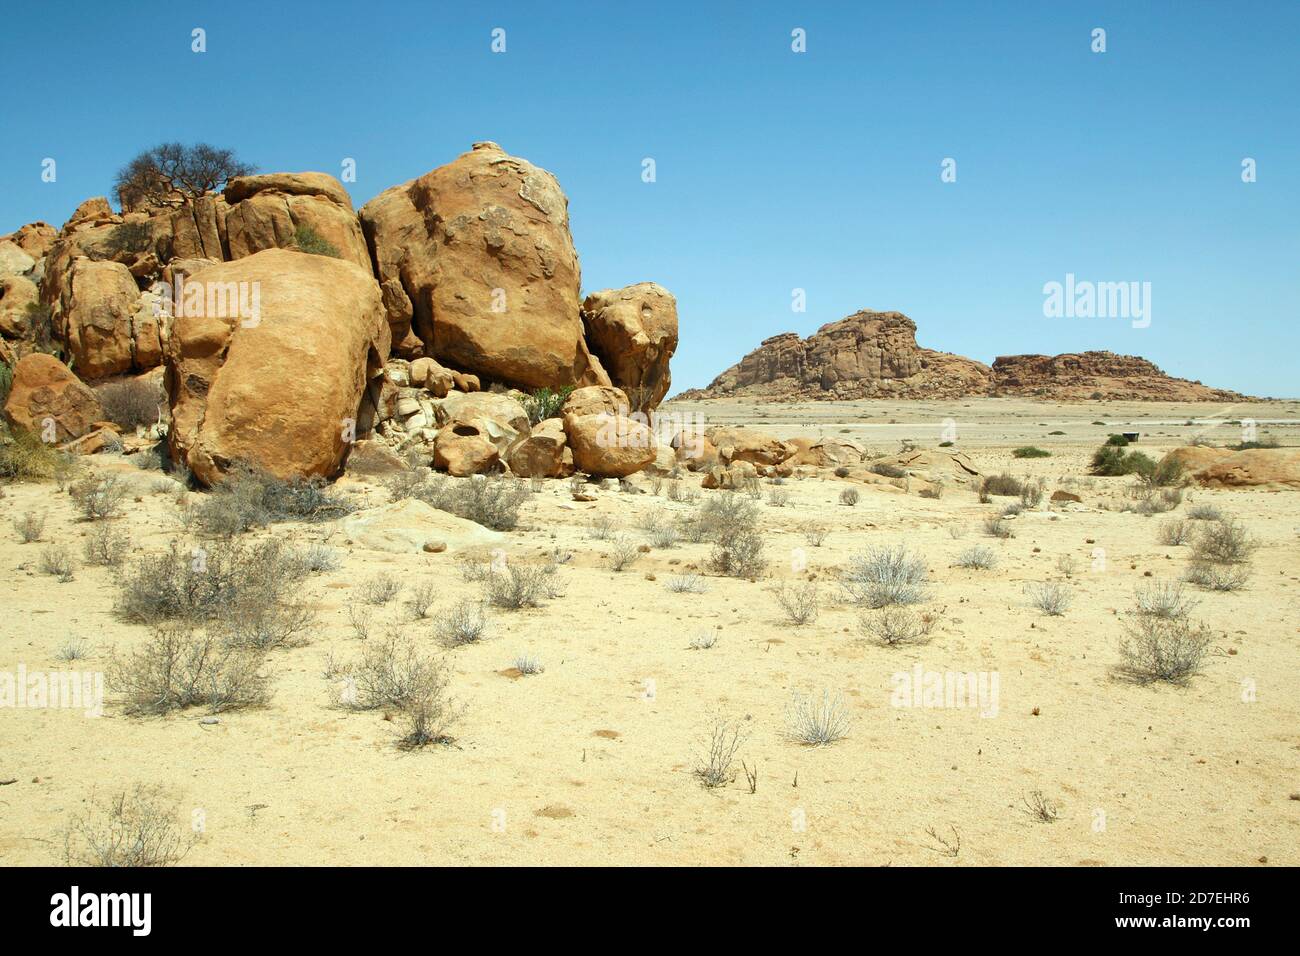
x=131, y=403
x=1004, y=485
x=799, y=602
x=249, y=499
x=131, y=828
x=1224, y=541
x=463, y=623
x=395, y=672
x=880, y=577
x=106, y=545
x=30, y=526
x=247, y=592
x=180, y=667
x=99, y=498
x=891, y=626
x=818, y=721
x=519, y=586
x=56, y=560
x=978, y=558
x=1168, y=649
x=1052, y=598
x=1163, y=599
x=492, y=501
x=719, y=745
x=1175, y=532
x=1217, y=577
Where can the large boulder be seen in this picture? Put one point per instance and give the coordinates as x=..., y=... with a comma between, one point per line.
x=405, y=527
x=594, y=399
x=489, y=280
x=498, y=418
x=47, y=400
x=13, y=260
x=746, y=444
x=279, y=390
x=266, y=211
x=633, y=331
x=463, y=450
x=543, y=454
x=17, y=295
x=1193, y=458
x=609, y=446
x=1273, y=468
x=95, y=314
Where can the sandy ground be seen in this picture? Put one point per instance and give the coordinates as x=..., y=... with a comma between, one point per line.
x=582, y=765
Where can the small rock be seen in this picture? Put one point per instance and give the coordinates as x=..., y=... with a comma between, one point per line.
x=435, y=547
x=209, y=721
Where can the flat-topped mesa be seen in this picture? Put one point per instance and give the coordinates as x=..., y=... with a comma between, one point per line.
x=865, y=355
x=1097, y=375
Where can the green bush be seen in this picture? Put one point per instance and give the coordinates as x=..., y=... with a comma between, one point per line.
x=1119, y=441
x=1002, y=484
x=129, y=237
x=308, y=240
x=1111, y=460
x=544, y=403
x=1029, y=451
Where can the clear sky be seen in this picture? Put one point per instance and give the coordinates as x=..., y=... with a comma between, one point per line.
x=775, y=170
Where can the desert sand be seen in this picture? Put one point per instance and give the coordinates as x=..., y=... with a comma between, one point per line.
x=591, y=761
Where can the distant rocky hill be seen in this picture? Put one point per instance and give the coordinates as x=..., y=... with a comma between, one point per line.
x=875, y=355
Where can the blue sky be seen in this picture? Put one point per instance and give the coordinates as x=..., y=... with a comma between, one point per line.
x=775, y=170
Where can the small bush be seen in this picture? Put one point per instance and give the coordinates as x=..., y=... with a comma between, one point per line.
x=30, y=526
x=883, y=576
x=57, y=561
x=1174, y=533
x=1114, y=441
x=528, y=665
x=545, y=403
x=1031, y=494
x=395, y=673
x=381, y=589
x=978, y=558
x=1168, y=649
x=799, y=602
x=492, y=501
x=1217, y=577
x=778, y=497
x=1113, y=461
x=1002, y=485
x=1204, y=513
x=602, y=528
x=98, y=499
x=715, y=765
x=996, y=526
x=106, y=545
x=249, y=499
x=308, y=240
x=1066, y=565
x=247, y=593
x=131, y=828
x=318, y=559
x=178, y=668
x=887, y=470
x=687, y=584
x=27, y=458
x=130, y=238
x=1162, y=599
x=849, y=496
x=1029, y=451
x=717, y=516
x=1223, y=542
x=1052, y=599
x=813, y=534
x=519, y=586
x=739, y=553
x=624, y=554
x=421, y=599
x=891, y=626
x=132, y=403
x=462, y=623
x=817, y=722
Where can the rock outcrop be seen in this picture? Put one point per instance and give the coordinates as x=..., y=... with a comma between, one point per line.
x=1097, y=375
x=1268, y=468
x=866, y=355
x=277, y=391
x=875, y=355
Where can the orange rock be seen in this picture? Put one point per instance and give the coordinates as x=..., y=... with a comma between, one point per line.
x=634, y=333
x=280, y=390
x=47, y=400
x=482, y=248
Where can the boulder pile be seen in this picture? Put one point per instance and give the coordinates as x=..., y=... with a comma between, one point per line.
x=295, y=333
